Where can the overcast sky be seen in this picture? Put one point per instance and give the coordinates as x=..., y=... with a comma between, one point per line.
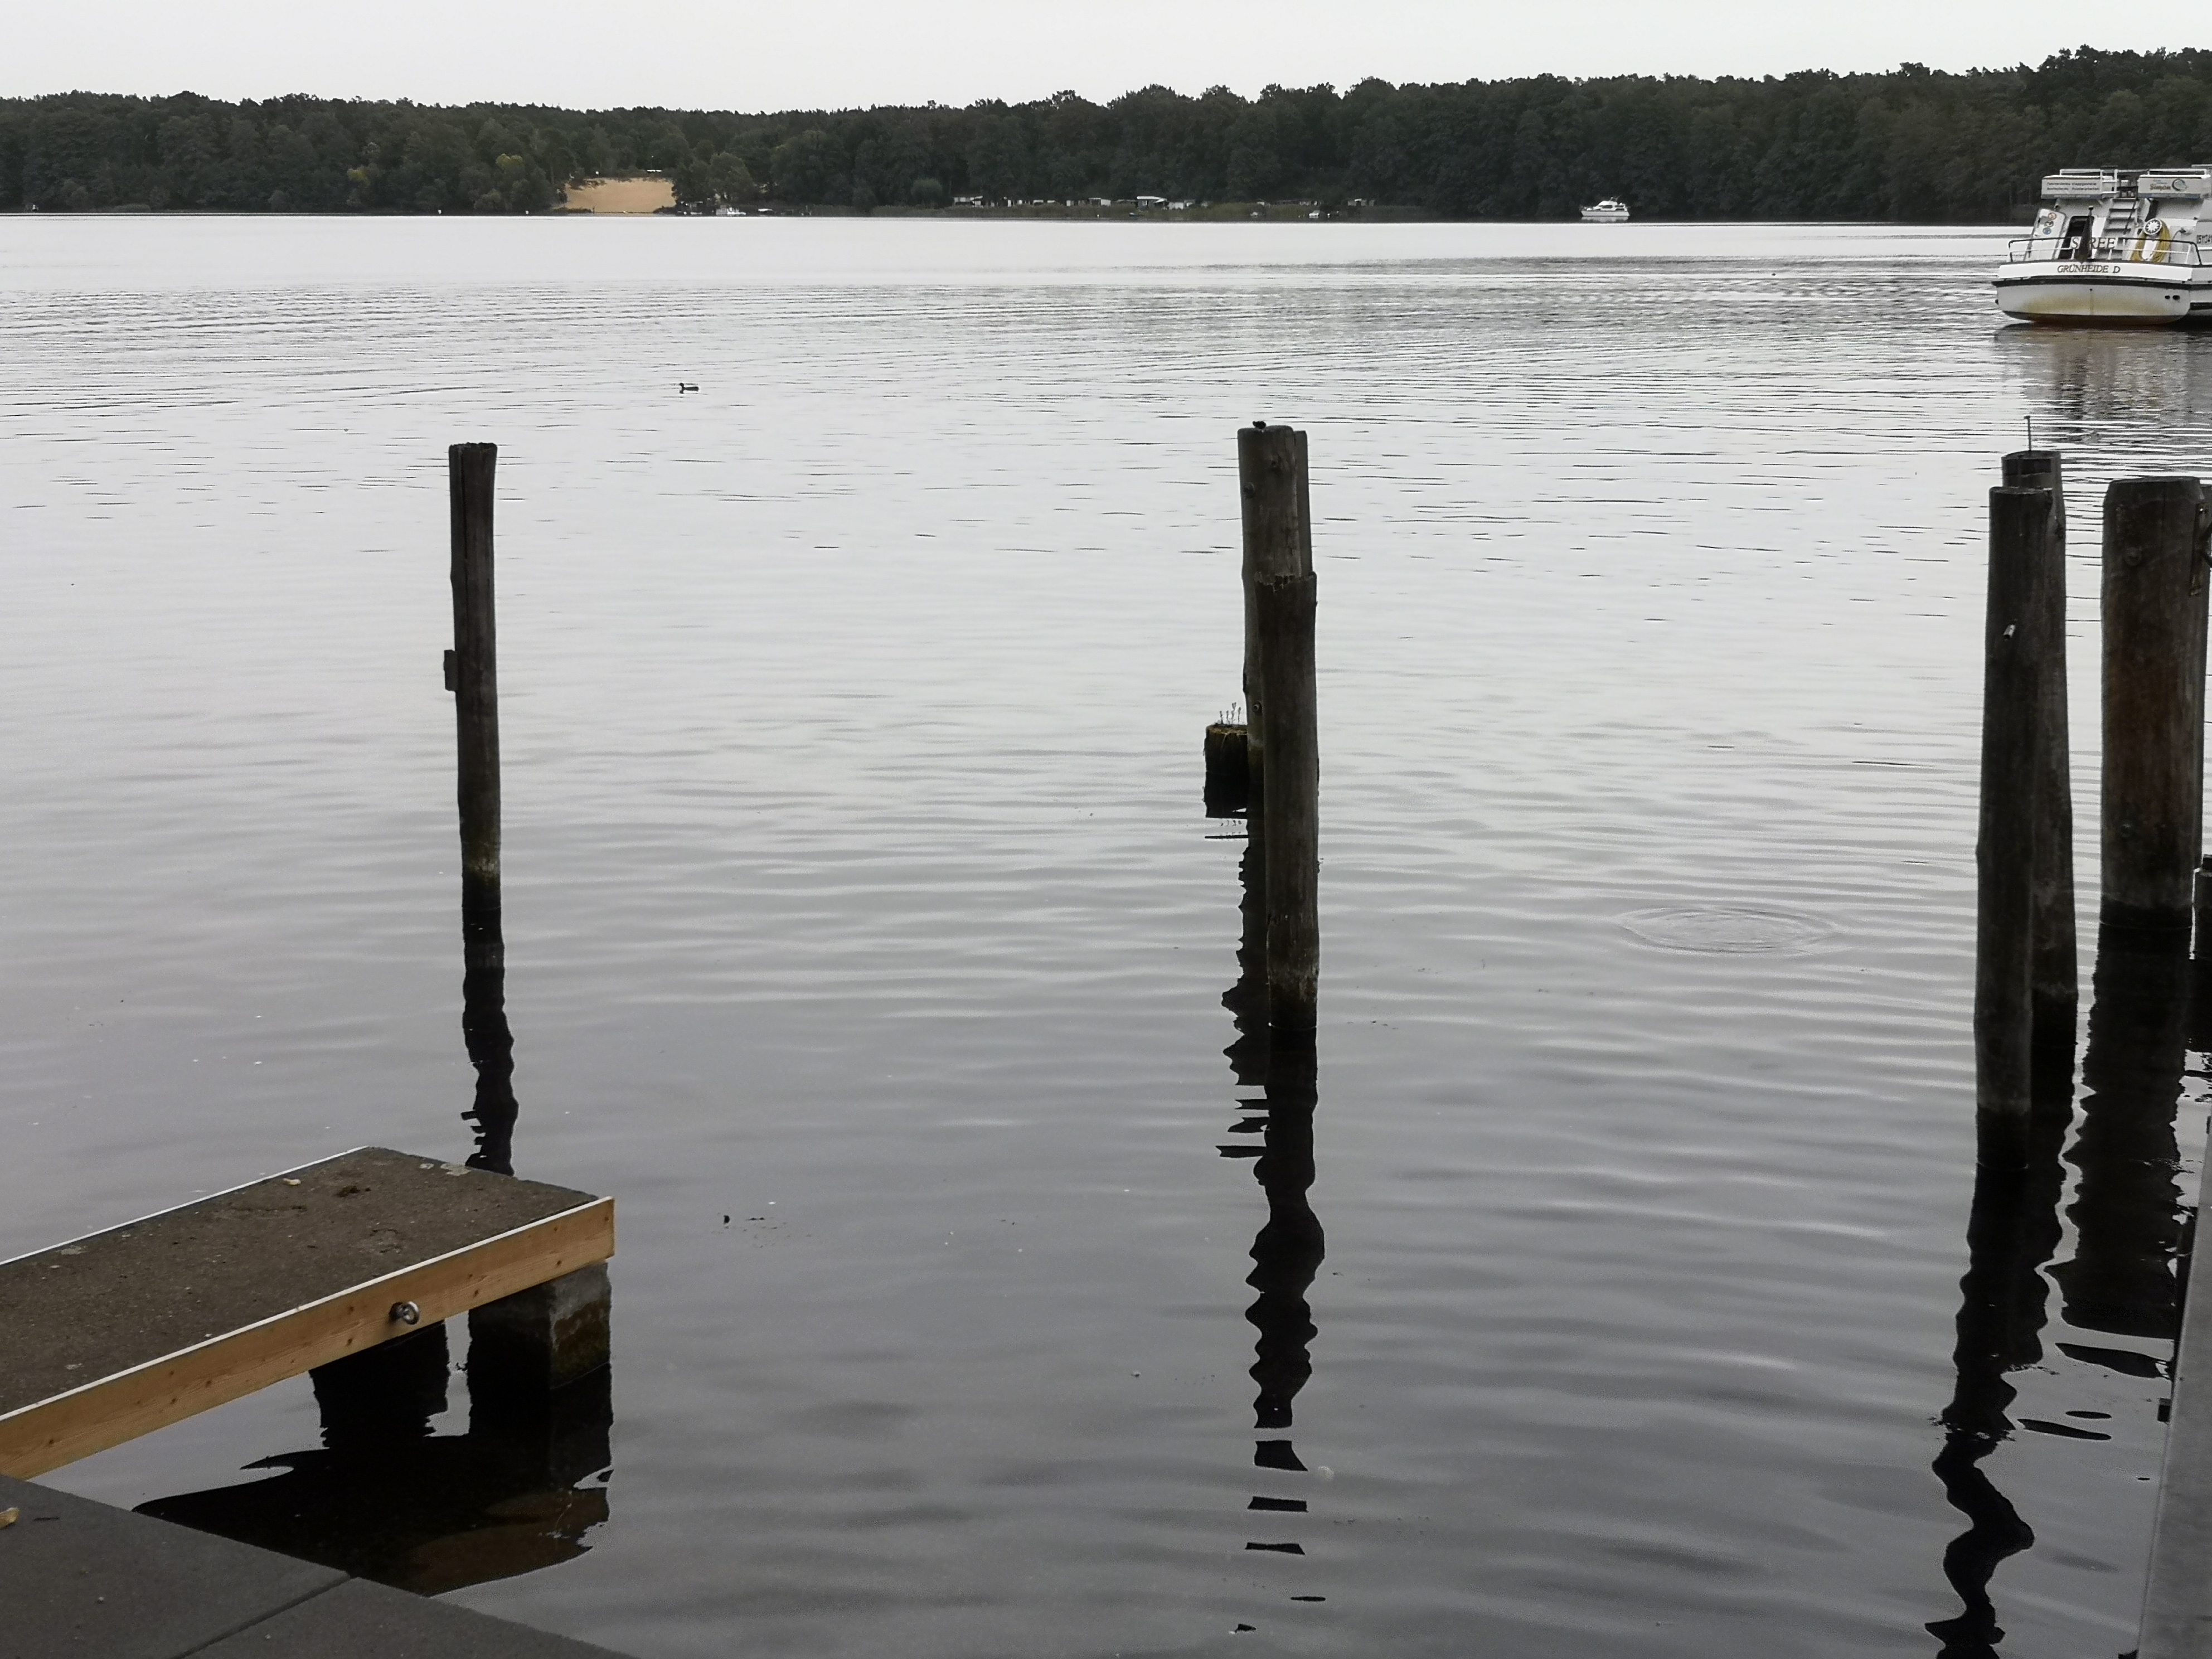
x=744, y=54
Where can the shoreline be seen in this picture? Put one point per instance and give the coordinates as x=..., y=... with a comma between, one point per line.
x=1223, y=214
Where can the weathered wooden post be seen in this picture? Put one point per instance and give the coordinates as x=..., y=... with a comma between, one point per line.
x=472, y=675
x=2202, y=931
x=1281, y=716
x=2057, y=971
x=543, y=1338
x=1271, y=467
x=2016, y=647
x=1292, y=795
x=2154, y=592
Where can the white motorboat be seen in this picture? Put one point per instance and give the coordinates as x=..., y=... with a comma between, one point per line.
x=2112, y=246
x=1610, y=211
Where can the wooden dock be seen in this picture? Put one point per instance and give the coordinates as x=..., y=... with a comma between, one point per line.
x=122, y=1331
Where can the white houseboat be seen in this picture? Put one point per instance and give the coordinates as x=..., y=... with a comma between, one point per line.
x=1610, y=211
x=2113, y=246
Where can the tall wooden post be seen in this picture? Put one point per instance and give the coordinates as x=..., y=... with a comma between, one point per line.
x=1281, y=717
x=2154, y=593
x=2015, y=651
x=2057, y=973
x=1271, y=477
x=472, y=676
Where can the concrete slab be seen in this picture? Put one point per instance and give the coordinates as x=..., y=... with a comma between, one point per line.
x=2176, y=1616
x=80, y=1580
x=361, y=1621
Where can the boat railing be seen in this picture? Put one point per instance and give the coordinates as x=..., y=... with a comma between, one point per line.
x=2105, y=249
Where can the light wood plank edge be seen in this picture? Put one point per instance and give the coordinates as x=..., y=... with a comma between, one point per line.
x=97, y=1415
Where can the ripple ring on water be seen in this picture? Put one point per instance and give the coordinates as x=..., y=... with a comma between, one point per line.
x=1727, y=930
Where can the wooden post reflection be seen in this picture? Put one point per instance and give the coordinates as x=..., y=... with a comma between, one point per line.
x=490, y=1044
x=2128, y=1216
x=1247, y=1000
x=1289, y=1247
x=2010, y=1233
x=383, y=1498
x=2131, y=1234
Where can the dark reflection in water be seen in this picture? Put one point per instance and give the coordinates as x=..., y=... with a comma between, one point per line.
x=2129, y=1218
x=1247, y=1000
x=385, y=1500
x=2131, y=1235
x=2010, y=1233
x=1289, y=1247
x=483, y=1028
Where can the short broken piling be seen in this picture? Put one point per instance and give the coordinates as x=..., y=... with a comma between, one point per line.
x=2155, y=595
x=1228, y=773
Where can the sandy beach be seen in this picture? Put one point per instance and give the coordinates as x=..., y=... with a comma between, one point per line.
x=638, y=195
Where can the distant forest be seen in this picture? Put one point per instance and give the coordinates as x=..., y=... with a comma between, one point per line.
x=1910, y=146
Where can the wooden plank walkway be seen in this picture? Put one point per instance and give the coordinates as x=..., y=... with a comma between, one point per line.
x=81, y=1580
x=118, y=1333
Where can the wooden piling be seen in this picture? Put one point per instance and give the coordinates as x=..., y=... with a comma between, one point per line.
x=1228, y=770
x=1271, y=477
x=2201, y=933
x=2154, y=593
x=2056, y=951
x=472, y=674
x=1290, y=796
x=2014, y=648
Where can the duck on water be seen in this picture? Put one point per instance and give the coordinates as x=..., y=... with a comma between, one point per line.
x=2113, y=246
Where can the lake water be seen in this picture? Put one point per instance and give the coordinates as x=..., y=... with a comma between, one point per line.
x=865, y=937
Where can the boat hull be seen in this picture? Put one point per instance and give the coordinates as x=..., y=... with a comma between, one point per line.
x=2114, y=293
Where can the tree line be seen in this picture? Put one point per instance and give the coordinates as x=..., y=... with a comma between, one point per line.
x=1912, y=145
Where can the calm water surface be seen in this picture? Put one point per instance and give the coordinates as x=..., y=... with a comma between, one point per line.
x=866, y=937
